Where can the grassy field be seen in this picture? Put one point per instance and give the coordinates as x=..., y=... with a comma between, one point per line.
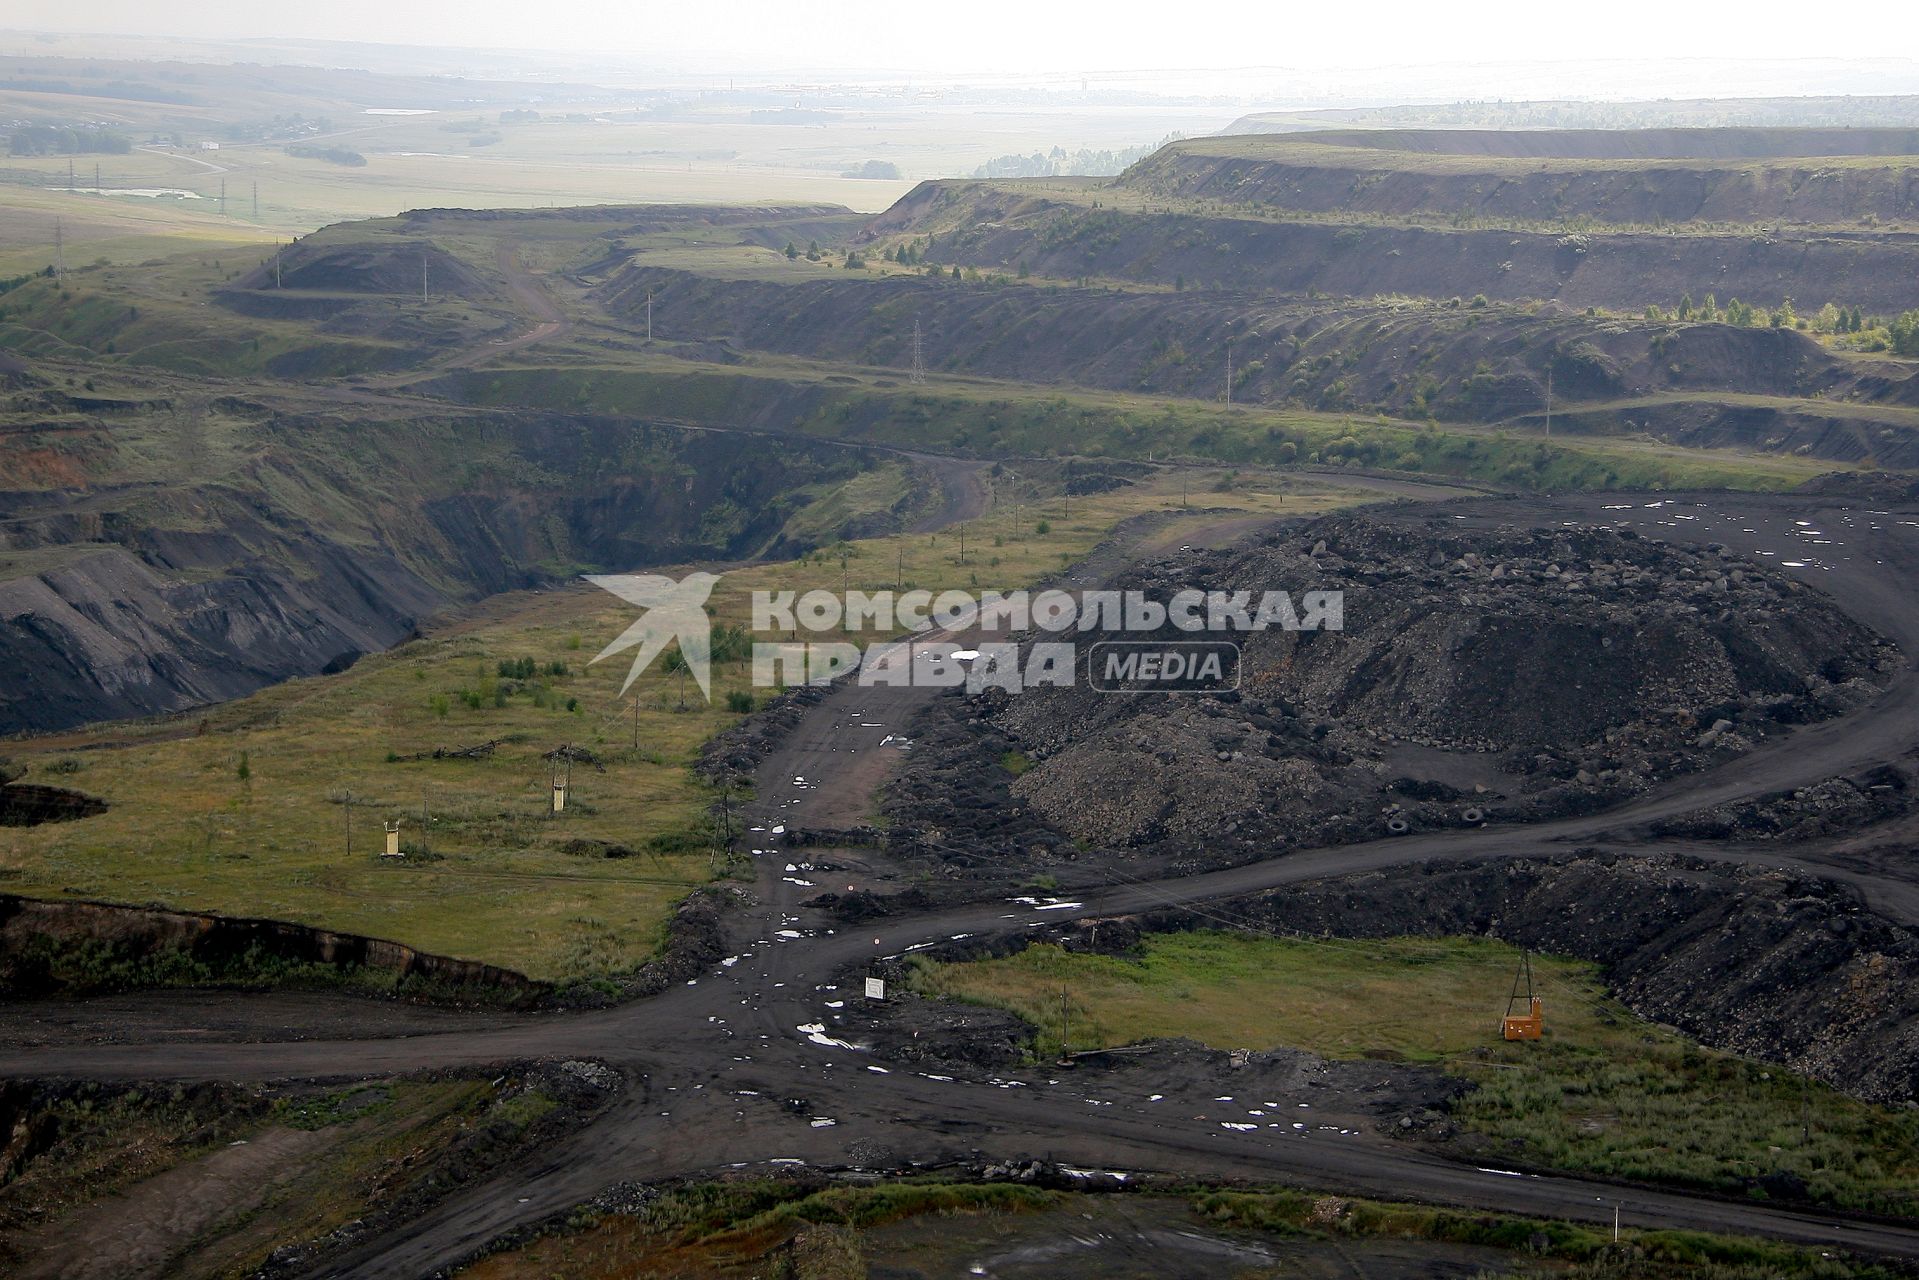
x=243, y=809
x=1603, y=1093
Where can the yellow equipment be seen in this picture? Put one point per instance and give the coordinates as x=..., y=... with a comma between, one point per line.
x=1531, y=1024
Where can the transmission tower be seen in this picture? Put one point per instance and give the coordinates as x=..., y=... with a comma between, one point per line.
x=919, y=356
x=59, y=250
x=223, y=197
x=256, y=202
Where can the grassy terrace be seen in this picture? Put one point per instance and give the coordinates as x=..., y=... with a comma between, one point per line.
x=1273, y=148
x=1604, y=1093
x=957, y=413
x=242, y=809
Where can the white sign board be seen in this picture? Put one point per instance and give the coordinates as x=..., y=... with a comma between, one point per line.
x=876, y=988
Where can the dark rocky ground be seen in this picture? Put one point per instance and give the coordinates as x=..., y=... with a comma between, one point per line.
x=1480, y=678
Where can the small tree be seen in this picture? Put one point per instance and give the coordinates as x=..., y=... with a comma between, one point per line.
x=1905, y=334
x=792, y=251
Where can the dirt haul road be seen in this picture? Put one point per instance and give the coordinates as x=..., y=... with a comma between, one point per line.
x=739, y=1068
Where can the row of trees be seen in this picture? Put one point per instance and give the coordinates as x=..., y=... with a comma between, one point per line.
x=56, y=140
x=1831, y=318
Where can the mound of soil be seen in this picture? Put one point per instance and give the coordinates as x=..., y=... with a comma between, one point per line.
x=1510, y=676
x=75, y=948
x=372, y=266
x=30, y=805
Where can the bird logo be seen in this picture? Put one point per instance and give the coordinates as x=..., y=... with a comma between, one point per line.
x=675, y=611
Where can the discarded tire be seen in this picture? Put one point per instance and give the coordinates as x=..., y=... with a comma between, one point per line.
x=1397, y=826
x=1474, y=815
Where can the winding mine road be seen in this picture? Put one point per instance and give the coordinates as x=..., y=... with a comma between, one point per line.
x=740, y=1068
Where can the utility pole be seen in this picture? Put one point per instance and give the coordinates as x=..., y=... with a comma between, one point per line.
x=256, y=201
x=899, y=570
x=71, y=181
x=1065, y=1054
x=348, y=807
x=59, y=249
x=1615, y=1222
x=277, y=254
x=96, y=177
x=918, y=374
x=223, y=197
x=423, y=293
x=1549, y=404
x=1229, y=375
x=649, y=317
x=962, y=542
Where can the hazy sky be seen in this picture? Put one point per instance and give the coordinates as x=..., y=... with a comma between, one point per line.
x=986, y=35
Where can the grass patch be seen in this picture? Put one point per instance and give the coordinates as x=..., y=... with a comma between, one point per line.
x=1604, y=1093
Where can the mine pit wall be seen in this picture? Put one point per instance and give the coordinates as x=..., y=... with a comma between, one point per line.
x=144, y=621
x=224, y=948
x=1477, y=365
x=1000, y=228
x=1804, y=189
x=1771, y=965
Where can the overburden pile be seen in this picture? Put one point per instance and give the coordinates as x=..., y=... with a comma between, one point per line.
x=1480, y=677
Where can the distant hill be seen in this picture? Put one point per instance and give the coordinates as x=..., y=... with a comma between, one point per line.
x=1898, y=110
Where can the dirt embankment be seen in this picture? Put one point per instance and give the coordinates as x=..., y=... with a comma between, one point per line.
x=1665, y=176
x=1455, y=362
x=1770, y=964
x=1000, y=228
x=387, y=266
x=77, y=948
